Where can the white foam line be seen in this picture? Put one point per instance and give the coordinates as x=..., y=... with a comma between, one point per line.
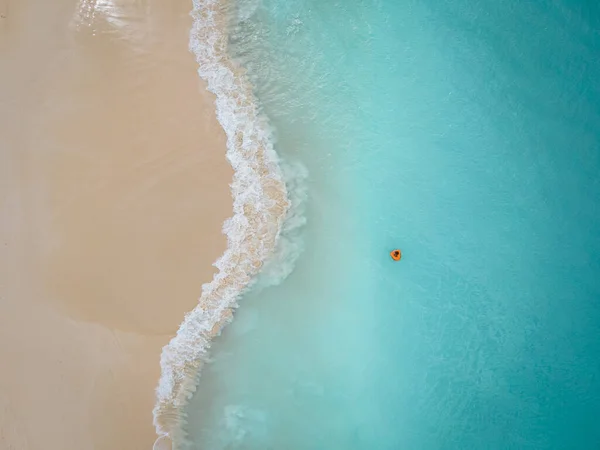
x=260, y=204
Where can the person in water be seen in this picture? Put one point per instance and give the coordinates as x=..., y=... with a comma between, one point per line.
x=396, y=255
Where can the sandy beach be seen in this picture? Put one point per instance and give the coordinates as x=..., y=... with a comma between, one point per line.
x=113, y=191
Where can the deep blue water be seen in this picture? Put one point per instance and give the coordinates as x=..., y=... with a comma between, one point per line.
x=466, y=133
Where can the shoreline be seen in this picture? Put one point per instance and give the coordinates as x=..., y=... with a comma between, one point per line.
x=113, y=195
x=260, y=203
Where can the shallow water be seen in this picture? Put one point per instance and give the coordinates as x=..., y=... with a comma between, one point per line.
x=467, y=134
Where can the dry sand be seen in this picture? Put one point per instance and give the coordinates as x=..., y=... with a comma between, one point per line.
x=113, y=190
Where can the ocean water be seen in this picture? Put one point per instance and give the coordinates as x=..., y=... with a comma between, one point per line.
x=466, y=133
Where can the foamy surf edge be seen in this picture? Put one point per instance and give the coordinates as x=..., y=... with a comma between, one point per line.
x=260, y=204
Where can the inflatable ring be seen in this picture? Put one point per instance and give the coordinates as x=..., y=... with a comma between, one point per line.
x=396, y=255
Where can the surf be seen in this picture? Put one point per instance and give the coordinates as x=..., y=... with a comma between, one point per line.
x=260, y=206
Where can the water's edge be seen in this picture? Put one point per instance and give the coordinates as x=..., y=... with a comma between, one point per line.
x=260, y=205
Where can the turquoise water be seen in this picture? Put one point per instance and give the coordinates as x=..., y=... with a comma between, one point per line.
x=466, y=133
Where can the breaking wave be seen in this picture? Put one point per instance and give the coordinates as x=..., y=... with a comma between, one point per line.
x=260, y=206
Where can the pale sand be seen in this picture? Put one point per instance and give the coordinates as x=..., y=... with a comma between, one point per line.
x=113, y=191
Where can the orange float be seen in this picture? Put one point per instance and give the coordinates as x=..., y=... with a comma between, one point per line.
x=396, y=255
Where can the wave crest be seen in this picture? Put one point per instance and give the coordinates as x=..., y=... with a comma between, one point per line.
x=260, y=204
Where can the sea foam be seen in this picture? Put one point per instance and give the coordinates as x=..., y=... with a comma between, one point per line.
x=260, y=205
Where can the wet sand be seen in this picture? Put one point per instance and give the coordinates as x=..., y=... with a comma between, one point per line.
x=113, y=190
